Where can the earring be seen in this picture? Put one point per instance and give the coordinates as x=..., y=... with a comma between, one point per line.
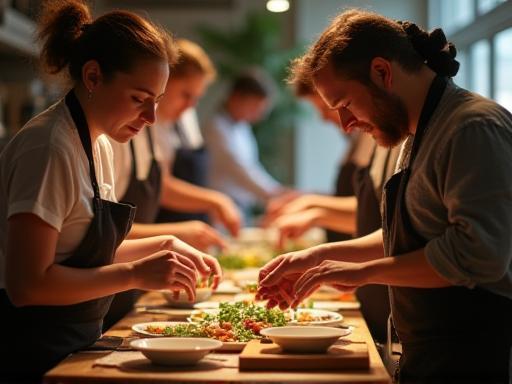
x=89, y=95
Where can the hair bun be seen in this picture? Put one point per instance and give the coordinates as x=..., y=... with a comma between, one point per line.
x=437, y=39
x=433, y=47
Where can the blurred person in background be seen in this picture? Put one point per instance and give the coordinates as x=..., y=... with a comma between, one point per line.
x=142, y=177
x=181, y=145
x=326, y=211
x=235, y=166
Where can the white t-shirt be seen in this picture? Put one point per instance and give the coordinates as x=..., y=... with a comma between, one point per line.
x=44, y=171
x=167, y=140
x=123, y=160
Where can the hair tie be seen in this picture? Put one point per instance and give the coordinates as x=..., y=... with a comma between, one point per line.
x=438, y=53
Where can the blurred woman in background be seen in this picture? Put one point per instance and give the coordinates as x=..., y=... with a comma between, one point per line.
x=143, y=171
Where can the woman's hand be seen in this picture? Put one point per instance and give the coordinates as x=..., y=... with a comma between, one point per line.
x=206, y=265
x=225, y=211
x=292, y=226
x=166, y=270
x=198, y=234
x=276, y=205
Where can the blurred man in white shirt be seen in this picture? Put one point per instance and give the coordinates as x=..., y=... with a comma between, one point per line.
x=235, y=166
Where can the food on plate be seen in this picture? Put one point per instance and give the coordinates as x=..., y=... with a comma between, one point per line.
x=182, y=300
x=233, y=322
x=251, y=287
x=306, y=316
x=240, y=257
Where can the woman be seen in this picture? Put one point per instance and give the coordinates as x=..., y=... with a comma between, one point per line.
x=184, y=170
x=142, y=172
x=142, y=167
x=62, y=253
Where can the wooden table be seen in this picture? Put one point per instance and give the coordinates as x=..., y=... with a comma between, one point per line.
x=79, y=368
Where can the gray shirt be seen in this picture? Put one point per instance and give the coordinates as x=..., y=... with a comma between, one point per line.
x=459, y=196
x=235, y=168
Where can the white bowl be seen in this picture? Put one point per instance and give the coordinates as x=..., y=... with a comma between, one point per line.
x=301, y=339
x=202, y=294
x=175, y=350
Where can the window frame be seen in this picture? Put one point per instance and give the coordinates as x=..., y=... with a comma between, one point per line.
x=485, y=26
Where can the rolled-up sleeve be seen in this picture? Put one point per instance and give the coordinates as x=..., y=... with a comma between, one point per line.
x=474, y=177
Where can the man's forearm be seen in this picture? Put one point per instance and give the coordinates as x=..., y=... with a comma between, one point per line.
x=408, y=270
x=362, y=249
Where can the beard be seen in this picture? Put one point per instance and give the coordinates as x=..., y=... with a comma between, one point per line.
x=390, y=117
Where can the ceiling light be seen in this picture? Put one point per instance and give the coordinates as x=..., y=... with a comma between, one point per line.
x=278, y=5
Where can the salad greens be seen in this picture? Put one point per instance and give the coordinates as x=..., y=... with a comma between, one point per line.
x=240, y=321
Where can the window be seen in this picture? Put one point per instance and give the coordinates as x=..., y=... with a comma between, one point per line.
x=462, y=77
x=502, y=68
x=482, y=32
x=456, y=14
x=480, y=78
x=484, y=6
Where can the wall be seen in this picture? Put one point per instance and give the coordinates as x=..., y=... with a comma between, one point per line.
x=319, y=147
x=184, y=20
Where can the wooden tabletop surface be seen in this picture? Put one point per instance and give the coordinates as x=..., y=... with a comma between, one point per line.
x=80, y=367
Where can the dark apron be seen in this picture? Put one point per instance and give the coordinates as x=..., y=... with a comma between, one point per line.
x=190, y=165
x=343, y=188
x=374, y=298
x=451, y=334
x=36, y=338
x=145, y=195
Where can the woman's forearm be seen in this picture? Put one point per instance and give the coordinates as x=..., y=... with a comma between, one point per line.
x=140, y=230
x=344, y=222
x=343, y=204
x=182, y=196
x=134, y=249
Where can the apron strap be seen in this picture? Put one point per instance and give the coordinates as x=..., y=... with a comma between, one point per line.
x=385, y=168
x=134, y=157
x=181, y=135
x=134, y=160
x=78, y=116
x=432, y=100
x=150, y=141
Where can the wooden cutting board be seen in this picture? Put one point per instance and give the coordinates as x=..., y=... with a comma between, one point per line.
x=343, y=355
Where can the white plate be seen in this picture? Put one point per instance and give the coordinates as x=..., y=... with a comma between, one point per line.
x=332, y=318
x=304, y=339
x=207, y=305
x=232, y=346
x=228, y=287
x=174, y=351
x=202, y=294
x=335, y=305
x=176, y=313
